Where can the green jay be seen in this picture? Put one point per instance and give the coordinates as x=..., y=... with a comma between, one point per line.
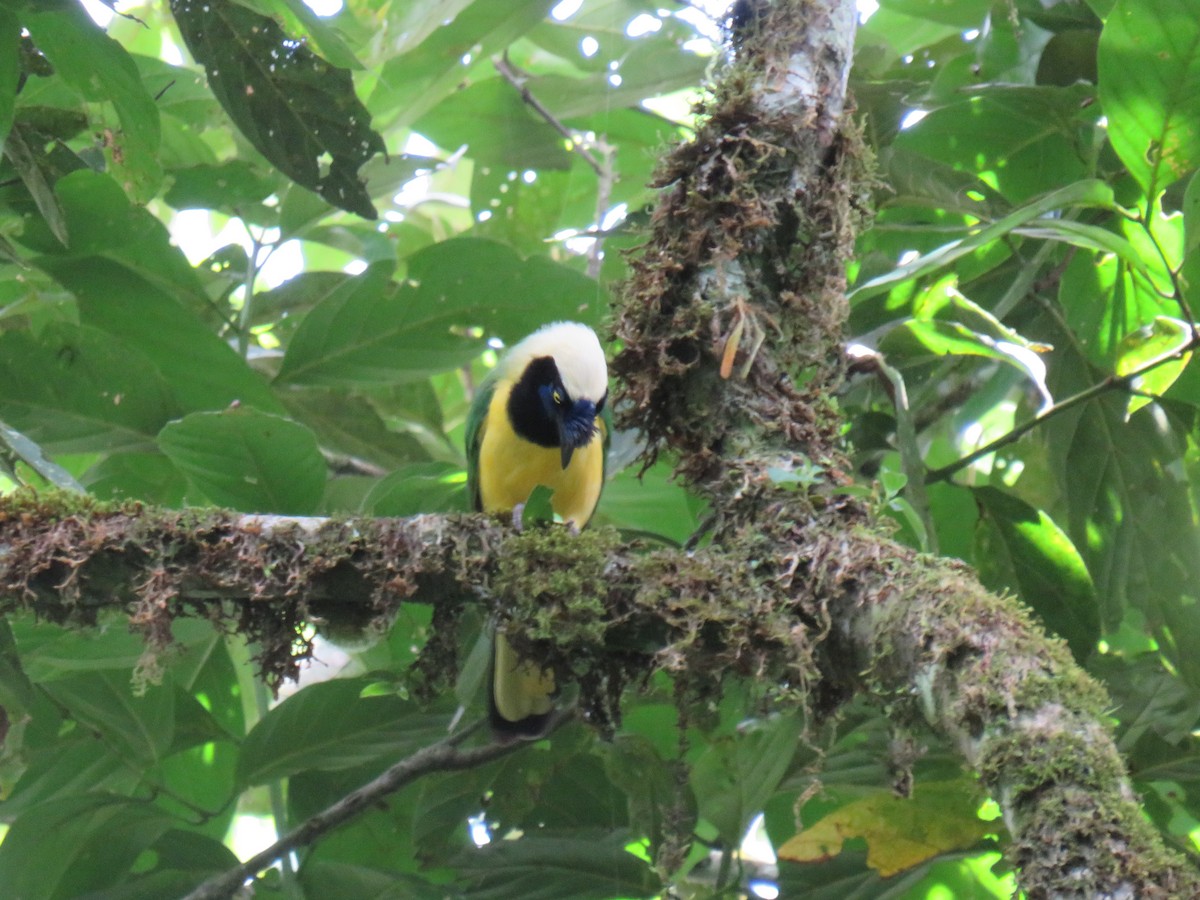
x=540, y=417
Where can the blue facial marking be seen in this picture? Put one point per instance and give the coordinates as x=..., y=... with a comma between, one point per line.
x=580, y=423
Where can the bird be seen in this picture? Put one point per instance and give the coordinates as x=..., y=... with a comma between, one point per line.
x=540, y=417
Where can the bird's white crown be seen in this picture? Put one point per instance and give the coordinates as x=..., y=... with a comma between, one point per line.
x=577, y=354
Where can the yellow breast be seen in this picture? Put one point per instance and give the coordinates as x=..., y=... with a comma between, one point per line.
x=510, y=467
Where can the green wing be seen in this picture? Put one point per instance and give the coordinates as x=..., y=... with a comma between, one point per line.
x=606, y=421
x=474, y=437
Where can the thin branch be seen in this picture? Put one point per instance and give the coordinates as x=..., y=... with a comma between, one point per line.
x=1111, y=383
x=345, y=464
x=246, y=319
x=517, y=80
x=444, y=756
x=607, y=176
x=262, y=703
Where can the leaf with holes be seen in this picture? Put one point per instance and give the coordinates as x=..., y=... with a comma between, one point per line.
x=296, y=109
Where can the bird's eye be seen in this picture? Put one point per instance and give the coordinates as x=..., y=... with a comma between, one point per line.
x=557, y=397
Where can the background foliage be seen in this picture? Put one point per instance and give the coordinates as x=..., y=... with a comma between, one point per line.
x=1037, y=237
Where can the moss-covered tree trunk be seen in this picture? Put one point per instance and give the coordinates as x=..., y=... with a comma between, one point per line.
x=732, y=325
x=731, y=328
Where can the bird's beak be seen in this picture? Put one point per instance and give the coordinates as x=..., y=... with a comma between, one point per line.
x=566, y=440
x=575, y=428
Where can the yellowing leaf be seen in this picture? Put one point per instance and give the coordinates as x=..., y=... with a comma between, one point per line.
x=939, y=817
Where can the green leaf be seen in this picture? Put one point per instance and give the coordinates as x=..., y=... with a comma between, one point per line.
x=1149, y=64
x=415, y=81
x=848, y=877
x=508, y=295
x=498, y=128
x=552, y=864
x=380, y=838
x=538, y=509
x=902, y=35
x=295, y=108
x=497, y=289
x=1023, y=140
x=962, y=14
x=149, y=477
x=443, y=805
x=351, y=425
x=99, y=69
x=252, y=461
x=36, y=173
x=65, y=769
x=297, y=295
x=75, y=389
x=368, y=331
x=339, y=879
x=735, y=776
x=419, y=488
x=1020, y=547
x=1191, y=215
x=371, y=332
x=330, y=726
x=1103, y=303
x=649, y=783
x=130, y=281
x=647, y=69
x=1158, y=344
x=563, y=785
x=297, y=16
x=65, y=848
x=49, y=651
x=139, y=728
x=920, y=180
x=1091, y=237
x=1081, y=193
x=203, y=372
x=10, y=68
x=913, y=340
x=651, y=501
x=182, y=861
x=227, y=186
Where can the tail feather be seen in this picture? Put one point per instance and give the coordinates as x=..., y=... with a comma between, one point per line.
x=520, y=695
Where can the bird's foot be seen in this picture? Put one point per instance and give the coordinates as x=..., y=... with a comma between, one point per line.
x=518, y=517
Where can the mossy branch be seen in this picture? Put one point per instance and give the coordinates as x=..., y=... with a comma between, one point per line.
x=732, y=332
x=823, y=602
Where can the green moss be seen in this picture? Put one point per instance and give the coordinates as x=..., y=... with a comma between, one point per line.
x=552, y=581
x=57, y=504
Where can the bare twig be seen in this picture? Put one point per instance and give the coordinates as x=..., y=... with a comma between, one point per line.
x=604, y=187
x=444, y=756
x=1111, y=383
x=517, y=80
